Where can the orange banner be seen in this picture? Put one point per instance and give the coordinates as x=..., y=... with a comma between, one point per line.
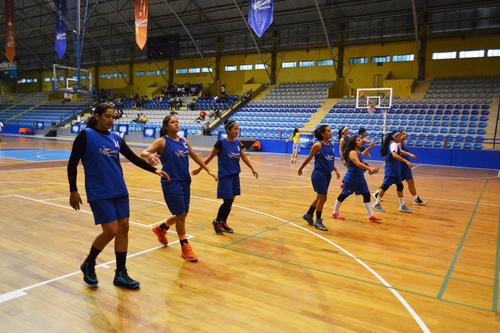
x=141, y=22
x=10, y=33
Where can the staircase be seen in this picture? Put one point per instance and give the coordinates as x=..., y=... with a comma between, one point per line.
x=420, y=89
x=263, y=93
x=492, y=124
x=25, y=111
x=316, y=117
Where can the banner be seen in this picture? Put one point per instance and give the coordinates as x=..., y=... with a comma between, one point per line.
x=10, y=33
x=60, y=44
x=141, y=22
x=260, y=16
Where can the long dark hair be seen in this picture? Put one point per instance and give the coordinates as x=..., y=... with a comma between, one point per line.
x=228, y=124
x=163, y=129
x=387, y=141
x=295, y=131
x=99, y=110
x=341, y=130
x=318, y=132
x=350, y=146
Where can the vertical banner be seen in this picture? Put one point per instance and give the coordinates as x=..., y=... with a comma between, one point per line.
x=10, y=33
x=141, y=22
x=60, y=43
x=260, y=16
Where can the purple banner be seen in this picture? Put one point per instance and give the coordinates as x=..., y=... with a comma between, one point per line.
x=260, y=16
x=60, y=44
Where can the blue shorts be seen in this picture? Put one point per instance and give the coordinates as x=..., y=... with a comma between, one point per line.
x=321, y=181
x=357, y=188
x=391, y=180
x=177, y=196
x=296, y=148
x=110, y=210
x=406, y=174
x=228, y=187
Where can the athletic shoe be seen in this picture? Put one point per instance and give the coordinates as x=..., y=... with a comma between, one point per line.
x=318, y=224
x=378, y=208
x=308, y=218
x=187, y=253
x=226, y=228
x=405, y=209
x=217, y=227
x=374, y=218
x=123, y=280
x=419, y=201
x=161, y=234
x=89, y=276
x=337, y=216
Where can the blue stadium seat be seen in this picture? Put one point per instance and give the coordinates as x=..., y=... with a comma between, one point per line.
x=478, y=146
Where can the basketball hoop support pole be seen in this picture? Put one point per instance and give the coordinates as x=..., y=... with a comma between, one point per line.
x=78, y=42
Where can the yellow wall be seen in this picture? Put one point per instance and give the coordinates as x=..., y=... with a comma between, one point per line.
x=462, y=67
x=114, y=83
x=315, y=73
x=234, y=81
x=204, y=78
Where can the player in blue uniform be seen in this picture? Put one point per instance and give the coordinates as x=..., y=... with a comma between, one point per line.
x=366, y=142
x=406, y=173
x=354, y=178
x=393, y=161
x=174, y=154
x=99, y=149
x=228, y=154
x=324, y=159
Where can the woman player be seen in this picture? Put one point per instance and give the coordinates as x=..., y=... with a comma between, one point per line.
x=99, y=149
x=343, y=138
x=406, y=173
x=324, y=159
x=228, y=160
x=295, y=137
x=393, y=160
x=174, y=154
x=354, y=178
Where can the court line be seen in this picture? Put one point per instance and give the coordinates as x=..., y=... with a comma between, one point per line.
x=494, y=306
x=460, y=245
x=22, y=291
x=398, y=296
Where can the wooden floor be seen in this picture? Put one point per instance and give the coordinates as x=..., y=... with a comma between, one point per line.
x=432, y=271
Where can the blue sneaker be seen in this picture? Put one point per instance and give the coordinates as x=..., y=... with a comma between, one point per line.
x=308, y=218
x=405, y=209
x=88, y=270
x=378, y=208
x=123, y=280
x=318, y=224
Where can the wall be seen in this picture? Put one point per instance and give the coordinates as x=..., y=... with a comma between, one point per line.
x=203, y=78
x=234, y=81
x=316, y=73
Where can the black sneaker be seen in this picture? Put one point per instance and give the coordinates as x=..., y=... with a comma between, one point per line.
x=217, y=227
x=318, y=224
x=419, y=201
x=88, y=270
x=226, y=228
x=123, y=280
x=308, y=218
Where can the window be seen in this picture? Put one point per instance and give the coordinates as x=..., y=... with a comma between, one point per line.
x=471, y=54
x=27, y=81
x=355, y=61
x=307, y=63
x=230, y=68
x=326, y=62
x=47, y=79
x=139, y=73
x=444, y=55
x=403, y=57
x=381, y=59
x=246, y=67
x=260, y=66
x=181, y=71
x=207, y=69
x=289, y=64
x=156, y=73
x=194, y=70
x=494, y=53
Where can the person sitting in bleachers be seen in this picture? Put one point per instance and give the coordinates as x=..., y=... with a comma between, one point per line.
x=201, y=116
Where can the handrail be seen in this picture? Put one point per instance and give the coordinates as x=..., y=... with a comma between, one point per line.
x=228, y=112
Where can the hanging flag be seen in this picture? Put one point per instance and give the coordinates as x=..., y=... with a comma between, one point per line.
x=60, y=44
x=260, y=16
x=10, y=33
x=141, y=22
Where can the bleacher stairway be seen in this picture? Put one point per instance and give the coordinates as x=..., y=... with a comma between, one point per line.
x=316, y=118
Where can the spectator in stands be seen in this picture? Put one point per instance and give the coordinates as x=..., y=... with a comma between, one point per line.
x=107, y=194
x=201, y=116
x=217, y=113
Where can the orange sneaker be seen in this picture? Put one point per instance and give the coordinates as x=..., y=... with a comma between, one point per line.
x=374, y=218
x=187, y=253
x=161, y=234
x=337, y=216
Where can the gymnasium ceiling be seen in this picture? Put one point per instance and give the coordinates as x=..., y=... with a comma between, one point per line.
x=110, y=32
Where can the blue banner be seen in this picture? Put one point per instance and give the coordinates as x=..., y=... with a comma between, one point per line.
x=75, y=128
x=39, y=125
x=149, y=132
x=60, y=45
x=260, y=16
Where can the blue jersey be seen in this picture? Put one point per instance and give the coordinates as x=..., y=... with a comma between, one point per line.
x=228, y=159
x=392, y=165
x=101, y=163
x=175, y=160
x=324, y=159
x=354, y=173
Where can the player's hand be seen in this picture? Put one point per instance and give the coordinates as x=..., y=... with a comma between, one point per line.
x=300, y=171
x=213, y=176
x=163, y=174
x=153, y=160
x=338, y=174
x=75, y=200
x=372, y=144
x=413, y=156
x=255, y=174
x=410, y=165
x=195, y=171
x=372, y=171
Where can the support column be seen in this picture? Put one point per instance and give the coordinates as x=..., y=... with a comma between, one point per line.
x=218, y=55
x=274, y=56
x=171, y=71
x=422, y=47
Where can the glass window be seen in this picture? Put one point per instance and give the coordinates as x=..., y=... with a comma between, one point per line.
x=206, y=69
x=326, y=62
x=194, y=70
x=230, y=68
x=355, y=61
x=471, y=54
x=403, y=57
x=494, y=53
x=381, y=59
x=444, y=55
x=307, y=63
x=246, y=67
x=260, y=66
x=181, y=71
x=289, y=64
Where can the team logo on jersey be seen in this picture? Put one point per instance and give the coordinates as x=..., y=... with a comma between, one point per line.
x=234, y=155
x=117, y=144
x=329, y=157
x=182, y=153
x=108, y=152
